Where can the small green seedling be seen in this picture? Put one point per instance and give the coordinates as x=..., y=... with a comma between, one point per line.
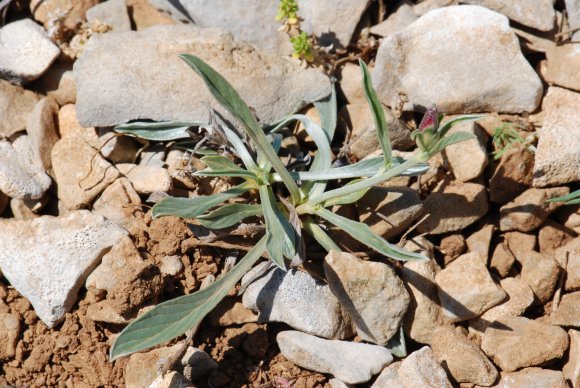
x=261, y=171
x=505, y=136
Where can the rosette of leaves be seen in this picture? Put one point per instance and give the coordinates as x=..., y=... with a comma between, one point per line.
x=304, y=209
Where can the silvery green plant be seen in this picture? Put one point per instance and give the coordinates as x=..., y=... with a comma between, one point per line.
x=306, y=208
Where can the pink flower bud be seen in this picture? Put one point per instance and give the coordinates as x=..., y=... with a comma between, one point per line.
x=430, y=119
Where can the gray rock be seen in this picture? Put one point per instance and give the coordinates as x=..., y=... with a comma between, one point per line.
x=558, y=157
x=16, y=104
x=466, y=289
x=128, y=75
x=562, y=60
x=539, y=14
x=541, y=272
x=10, y=329
x=47, y=259
x=389, y=212
x=464, y=360
x=453, y=206
x=532, y=378
x=41, y=129
x=389, y=377
x=421, y=369
x=494, y=77
x=529, y=210
x=21, y=172
x=518, y=342
x=568, y=311
x=571, y=370
x=296, y=298
x=25, y=51
x=402, y=16
x=350, y=362
x=112, y=13
x=371, y=292
x=468, y=159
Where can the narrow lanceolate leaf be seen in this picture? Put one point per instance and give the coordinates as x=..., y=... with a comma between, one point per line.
x=349, y=198
x=449, y=124
x=319, y=235
x=456, y=137
x=193, y=207
x=228, y=215
x=363, y=233
x=173, y=318
x=327, y=111
x=240, y=148
x=281, y=239
x=378, y=113
x=163, y=131
x=227, y=96
x=221, y=166
x=571, y=199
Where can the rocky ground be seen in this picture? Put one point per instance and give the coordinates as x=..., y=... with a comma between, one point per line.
x=80, y=255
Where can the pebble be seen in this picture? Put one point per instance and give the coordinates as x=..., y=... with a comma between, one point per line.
x=389, y=377
x=371, y=292
x=466, y=289
x=529, y=210
x=532, y=378
x=552, y=236
x=513, y=174
x=495, y=77
x=350, y=362
x=421, y=369
x=568, y=311
x=47, y=259
x=16, y=103
x=468, y=159
x=558, y=157
x=401, y=17
x=171, y=379
x=562, y=60
x=142, y=369
x=363, y=139
x=231, y=311
x=571, y=369
x=389, y=212
x=104, y=311
x=112, y=13
x=541, y=273
x=21, y=172
x=42, y=130
x=452, y=245
x=518, y=342
x=10, y=333
x=573, y=11
x=571, y=250
x=81, y=173
x=116, y=149
x=464, y=360
x=146, y=179
x=171, y=265
x=67, y=120
x=539, y=14
x=520, y=244
x=480, y=240
x=297, y=299
x=452, y=206
x=197, y=363
x=26, y=52
x=111, y=92
x=351, y=85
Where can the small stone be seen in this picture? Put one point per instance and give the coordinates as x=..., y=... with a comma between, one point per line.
x=552, y=236
x=21, y=210
x=144, y=14
x=518, y=342
x=16, y=104
x=541, y=273
x=571, y=370
x=520, y=244
x=389, y=212
x=67, y=120
x=562, y=60
x=41, y=129
x=571, y=253
x=568, y=311
x=104, y=311
x=453, y=206
x=47, y=259
x=466, y=289
x=231, y=311
x=143, y=368
x=421, y=369
x=201, y=364
x=171, y=265
x=529, y=210
x=21, y=172
x=520, y=298
x=351, y=84
x=352, y=363
x=502, y=260
x=296, y=298
x=452, y=246
x=9, y=334
x=464, y=360
x=335, y=383
x=513, y=175
x=407, y=61
x=146, y=179
x=69, y=13
x=153, y=156
x=171, y=379
x=468, y=159
x=539, y=14
x=80, y=171
x=558, y=157
x=532, y=378
x=573, y=11
x=115, y=148
x=112, y=13
x=58, y=83
x=401, y=17
x=570, y=217
x=364, y=140
x=479, y=241
x=371, y=292
x=25, y=51
x=389, y=377
x=121, y=204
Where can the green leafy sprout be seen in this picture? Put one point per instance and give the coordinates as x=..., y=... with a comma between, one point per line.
x=302, y=43
x=287, y=12
x=505, y=136
x=261, y=171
